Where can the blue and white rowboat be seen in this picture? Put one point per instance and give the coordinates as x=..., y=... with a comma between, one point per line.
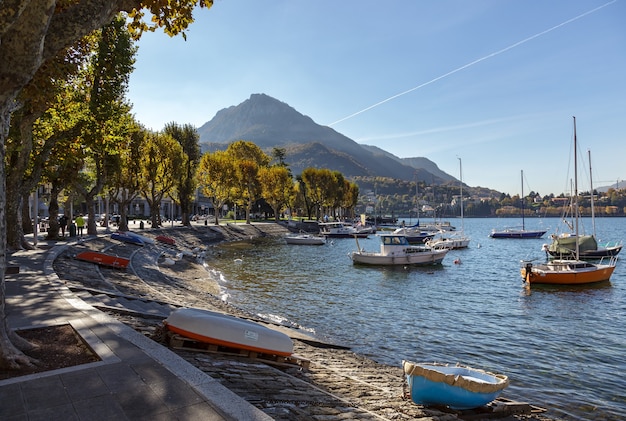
x=454, y=386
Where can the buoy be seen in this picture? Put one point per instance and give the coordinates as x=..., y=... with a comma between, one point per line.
x=457, y=261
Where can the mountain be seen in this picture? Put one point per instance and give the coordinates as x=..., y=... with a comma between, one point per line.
x=270, y=123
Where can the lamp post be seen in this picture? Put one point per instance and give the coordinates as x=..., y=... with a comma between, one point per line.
x=35, y=215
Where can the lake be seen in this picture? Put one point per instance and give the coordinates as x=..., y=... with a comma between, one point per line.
x=563, y=348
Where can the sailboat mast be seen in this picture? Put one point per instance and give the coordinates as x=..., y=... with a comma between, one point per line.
x=523, y=225
x=461, y=176
x=593, y=214
x=576, y=190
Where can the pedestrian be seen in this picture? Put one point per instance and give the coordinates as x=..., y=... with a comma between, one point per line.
x=63, y=224
x=80, y=224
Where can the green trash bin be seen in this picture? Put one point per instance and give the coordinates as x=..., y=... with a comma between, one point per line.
x=72, y=230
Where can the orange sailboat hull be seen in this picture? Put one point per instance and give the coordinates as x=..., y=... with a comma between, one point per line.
x=567, y=272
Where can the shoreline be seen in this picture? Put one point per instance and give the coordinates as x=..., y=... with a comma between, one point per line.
x=337, y=382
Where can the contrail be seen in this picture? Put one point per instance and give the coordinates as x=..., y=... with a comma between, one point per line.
x=475, y=62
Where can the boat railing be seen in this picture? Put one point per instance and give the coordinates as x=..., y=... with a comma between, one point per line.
x=612, y=260
x=611, y=244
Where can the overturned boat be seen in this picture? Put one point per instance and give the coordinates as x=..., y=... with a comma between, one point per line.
x=224, y=330
x=103, y=259
x=454, y=386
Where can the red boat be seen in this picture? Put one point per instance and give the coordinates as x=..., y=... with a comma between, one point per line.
x=103, y=259
x=166, y=240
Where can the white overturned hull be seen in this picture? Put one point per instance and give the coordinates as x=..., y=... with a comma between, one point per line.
x=224, y=330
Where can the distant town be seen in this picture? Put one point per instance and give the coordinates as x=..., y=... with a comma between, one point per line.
x=382, y=196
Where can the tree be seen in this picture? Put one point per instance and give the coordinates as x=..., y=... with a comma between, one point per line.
x=216, y=176
x=276, y=187
x=188, y=138
x=248, y=159
x=161, y=165
x=106, y=81
x=124, y=181
x=31, y=33
x=49, y=113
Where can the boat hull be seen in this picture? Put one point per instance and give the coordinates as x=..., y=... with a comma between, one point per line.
x=103, y=259
x=127, y=238
x=223, y=330
x=305, y=239
x=424, y=258
x=455, y=386
x=567, y=272
x=166, y=240
x=517, y=234
x=449, y=243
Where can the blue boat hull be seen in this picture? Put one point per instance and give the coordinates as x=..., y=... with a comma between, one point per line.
x=127, y=238
x=454, y=388
x=517, y=234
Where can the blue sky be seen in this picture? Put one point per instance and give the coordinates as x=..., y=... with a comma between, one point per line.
x=493, y=82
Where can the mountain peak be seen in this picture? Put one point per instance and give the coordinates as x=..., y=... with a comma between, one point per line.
x=270, y=123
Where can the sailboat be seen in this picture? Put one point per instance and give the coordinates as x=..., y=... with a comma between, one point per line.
x=414, y=233
x=517, y=232
x=569, y=271
x=564, y=245
x=456, y=239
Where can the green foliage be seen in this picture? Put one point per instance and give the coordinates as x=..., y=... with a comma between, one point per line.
x=187, y=136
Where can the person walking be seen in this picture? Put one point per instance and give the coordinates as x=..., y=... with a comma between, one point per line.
x=63, y=224
x=80, y=224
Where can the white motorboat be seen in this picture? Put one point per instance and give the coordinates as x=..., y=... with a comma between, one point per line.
x=396, y=250
x=343, y=230
x=305, y=239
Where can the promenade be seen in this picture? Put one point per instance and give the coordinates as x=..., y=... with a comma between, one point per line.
x=136, y=378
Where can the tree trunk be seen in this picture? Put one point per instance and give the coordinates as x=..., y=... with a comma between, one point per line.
x=53, y=212
x=91, y=215
x=10, y=356
x=24, y=219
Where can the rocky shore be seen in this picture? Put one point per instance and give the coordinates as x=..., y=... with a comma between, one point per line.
x=336, y=384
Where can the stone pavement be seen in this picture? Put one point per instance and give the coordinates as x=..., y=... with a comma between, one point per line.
x=136, y=378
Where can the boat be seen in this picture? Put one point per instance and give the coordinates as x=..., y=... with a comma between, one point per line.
x=127, y=237
x=564, y=271
x=395, y=250
x=513, y=232
x=305, y=239
x=564, y=245
x=166, y=240
x=220, y=329
x=456, y=239
x=103, y=259
x=415, y=234
x=455, y=386
x=342, y=230
x=297, y=226
x=448, y=241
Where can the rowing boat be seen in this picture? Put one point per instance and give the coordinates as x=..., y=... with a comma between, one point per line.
x=166, y=240
x=223, y=330
x=127, y=237
x=454, y=386
x=103, y=259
